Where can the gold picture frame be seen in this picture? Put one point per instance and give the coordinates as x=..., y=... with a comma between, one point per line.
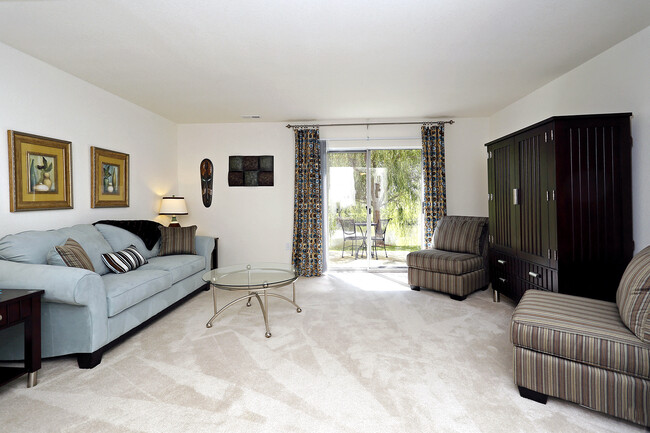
x=40, y=172
x=109, y=178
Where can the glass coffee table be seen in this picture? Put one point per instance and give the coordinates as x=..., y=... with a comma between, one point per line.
x=255, y=279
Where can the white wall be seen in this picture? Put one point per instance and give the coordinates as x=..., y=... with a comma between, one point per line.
x=256, y=224
x=618, y=80
x=253, y=224
x=39, y=99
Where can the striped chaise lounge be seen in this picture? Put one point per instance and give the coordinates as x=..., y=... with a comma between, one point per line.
x=457, y=263
x=590, y=352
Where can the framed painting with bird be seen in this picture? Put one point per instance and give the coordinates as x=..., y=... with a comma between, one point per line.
x=40, y=175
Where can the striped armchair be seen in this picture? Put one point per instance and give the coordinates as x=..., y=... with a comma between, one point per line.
x=457, y=264
x=586, y=351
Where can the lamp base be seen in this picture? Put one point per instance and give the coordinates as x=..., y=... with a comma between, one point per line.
x=174, y=222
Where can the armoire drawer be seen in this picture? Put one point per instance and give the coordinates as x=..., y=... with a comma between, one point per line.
x=525, y=285
x=504, y=283
x=541, y=276
x=503, y=263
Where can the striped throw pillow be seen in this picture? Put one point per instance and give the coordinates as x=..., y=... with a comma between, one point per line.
x=124, y=261
x=633, y=295
x=74, y=255
x=177, y=240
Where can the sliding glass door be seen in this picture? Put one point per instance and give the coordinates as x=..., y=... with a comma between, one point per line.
x=374, y=208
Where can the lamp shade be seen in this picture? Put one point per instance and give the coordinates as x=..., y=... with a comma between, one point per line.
x=173, y=206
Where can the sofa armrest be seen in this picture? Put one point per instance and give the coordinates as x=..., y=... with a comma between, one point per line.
x=62, y=284
x=204, y=247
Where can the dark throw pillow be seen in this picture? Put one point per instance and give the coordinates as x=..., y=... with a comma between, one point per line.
x=124, y=261
x=74, y=255
x=177, y=240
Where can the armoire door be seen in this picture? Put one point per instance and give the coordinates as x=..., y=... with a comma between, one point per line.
x=531, y=196
x=501, y=177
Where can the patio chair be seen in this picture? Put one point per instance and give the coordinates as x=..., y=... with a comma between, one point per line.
x=380, y=236
x=350, y=235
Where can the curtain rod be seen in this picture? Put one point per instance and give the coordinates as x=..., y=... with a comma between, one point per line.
x=439, y=122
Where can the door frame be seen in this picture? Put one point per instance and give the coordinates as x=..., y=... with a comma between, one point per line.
x=326, y=150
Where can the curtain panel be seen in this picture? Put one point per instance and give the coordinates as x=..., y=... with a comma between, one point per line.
x=433, y=171
x=307, y=255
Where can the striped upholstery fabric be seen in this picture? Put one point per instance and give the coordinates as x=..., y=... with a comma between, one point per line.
x=74, y=255
x=606, y=391
x=459, y=268
x=460, y=285
x=633, y=295
x=459, y=234
x=584, y=330
x=177, y=240
x=444, y=261
x=125, y=260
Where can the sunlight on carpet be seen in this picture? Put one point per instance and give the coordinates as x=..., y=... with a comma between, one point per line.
x=366, y=354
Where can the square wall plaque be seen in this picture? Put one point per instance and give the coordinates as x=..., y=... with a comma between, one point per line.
x=250, y=170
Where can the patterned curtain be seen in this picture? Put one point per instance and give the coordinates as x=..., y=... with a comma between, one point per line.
x=433, y=170
x=307, y=253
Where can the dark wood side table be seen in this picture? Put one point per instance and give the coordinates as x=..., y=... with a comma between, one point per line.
x=23, y=306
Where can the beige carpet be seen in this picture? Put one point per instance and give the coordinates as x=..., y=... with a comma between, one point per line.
x=366, y=355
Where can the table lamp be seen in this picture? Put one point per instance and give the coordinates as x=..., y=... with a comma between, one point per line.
x=173, y=206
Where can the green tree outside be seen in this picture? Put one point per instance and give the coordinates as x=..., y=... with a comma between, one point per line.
x=396, y=197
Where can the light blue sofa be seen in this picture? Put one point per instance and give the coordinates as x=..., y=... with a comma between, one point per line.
x=84, y=312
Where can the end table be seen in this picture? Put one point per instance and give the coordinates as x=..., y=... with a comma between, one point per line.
x=23, y=306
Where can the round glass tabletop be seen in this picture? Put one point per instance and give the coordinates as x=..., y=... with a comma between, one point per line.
x=251, y=276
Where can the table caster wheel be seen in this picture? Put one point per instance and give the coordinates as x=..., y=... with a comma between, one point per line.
x=299, y=310
x=267, y=335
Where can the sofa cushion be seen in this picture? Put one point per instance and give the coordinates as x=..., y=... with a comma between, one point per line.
x=120, y=238
x=180, y=266
x=125, y=290
x=444, y=261
x=177, y=240
x=73, y=255
x=459, y=234
x=30, y=246
x=124, y=260
x=92, y=242
x=584, y=330
x=633, y=295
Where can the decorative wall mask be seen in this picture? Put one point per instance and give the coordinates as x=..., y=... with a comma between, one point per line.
x=206, y=181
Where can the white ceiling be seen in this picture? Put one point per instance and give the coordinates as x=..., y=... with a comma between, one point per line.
x=204, y=61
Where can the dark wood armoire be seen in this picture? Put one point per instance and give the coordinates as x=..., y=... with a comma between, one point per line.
x=560, y=206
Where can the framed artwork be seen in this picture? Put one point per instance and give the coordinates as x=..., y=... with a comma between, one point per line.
x=109, y=178
x=40, y=172
x=250, y=170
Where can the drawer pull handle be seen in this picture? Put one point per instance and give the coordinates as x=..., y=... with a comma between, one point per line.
x=501, y=262
x=0, y=316
x=503, y=280
x=533, y=274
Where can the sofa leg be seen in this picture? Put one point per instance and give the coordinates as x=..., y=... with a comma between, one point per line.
x=532, y=395
x=458, y=298
x=416, y=288
x=90, y=360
